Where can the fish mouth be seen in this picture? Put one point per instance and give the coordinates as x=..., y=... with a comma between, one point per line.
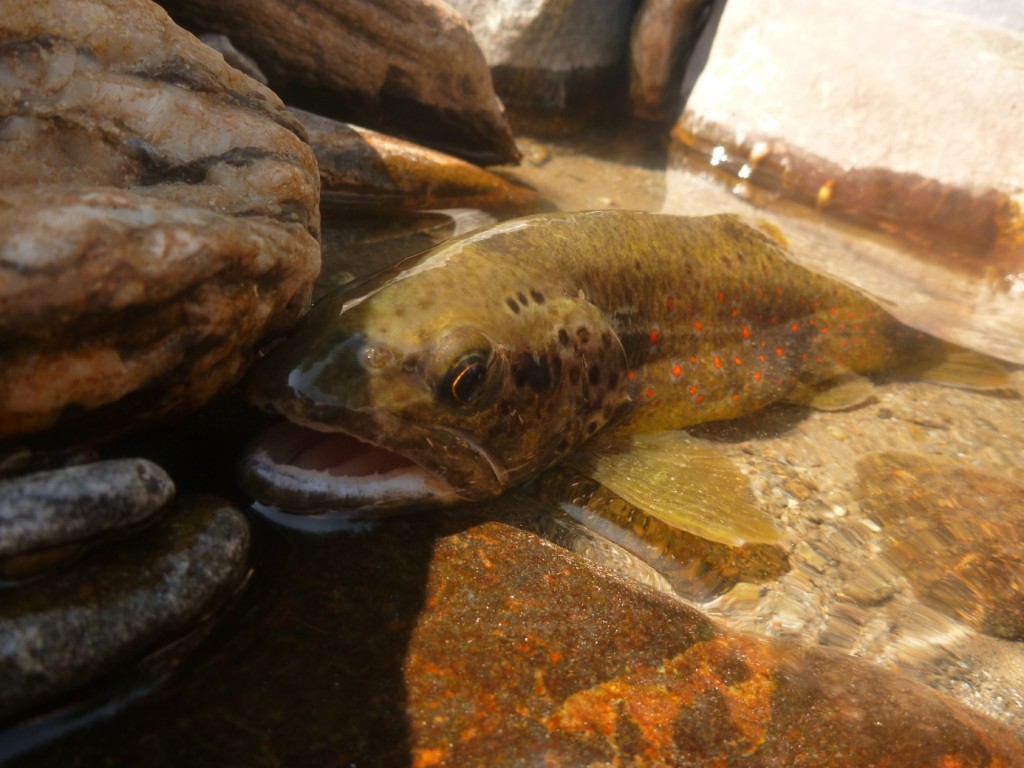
x=310, y=469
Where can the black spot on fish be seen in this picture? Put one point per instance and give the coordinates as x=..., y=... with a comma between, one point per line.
x=591, y=427
x=513, y=305
x=527, y=372
x=606, y=340
x=563, y=446
x=583, y=334
x=594, y=374
x=537, y=296
x=563, y=337
x=574, y=374
x=613, y=380
x=522, y=299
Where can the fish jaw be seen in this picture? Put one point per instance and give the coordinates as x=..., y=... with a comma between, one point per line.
x=309, y=468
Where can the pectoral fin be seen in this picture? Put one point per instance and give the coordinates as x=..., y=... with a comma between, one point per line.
x=684, y=483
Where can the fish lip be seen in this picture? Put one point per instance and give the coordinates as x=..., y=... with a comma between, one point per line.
x=268, y=475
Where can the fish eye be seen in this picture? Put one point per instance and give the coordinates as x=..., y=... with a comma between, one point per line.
x=464, y=382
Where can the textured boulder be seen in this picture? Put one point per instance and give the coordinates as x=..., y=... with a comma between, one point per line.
x=158, y=216
x=407, y=67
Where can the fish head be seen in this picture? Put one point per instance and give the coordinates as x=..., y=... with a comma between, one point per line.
x=446, y=386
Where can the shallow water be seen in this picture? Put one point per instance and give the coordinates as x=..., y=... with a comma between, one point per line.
x=305, y=667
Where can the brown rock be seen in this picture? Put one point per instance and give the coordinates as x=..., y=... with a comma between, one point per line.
x=364, y=169
x=408, y=67
x=663, y=35
x=146, y=300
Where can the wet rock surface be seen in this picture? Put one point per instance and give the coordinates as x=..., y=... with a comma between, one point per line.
x=371, y=172
x=48, y=509
x=159, y=216
x=409, y=67
x=873, y=151
x=120, y=601
x=452, y=631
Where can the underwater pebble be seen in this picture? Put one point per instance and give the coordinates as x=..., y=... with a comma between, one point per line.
x=47, y=509
x=120, y=601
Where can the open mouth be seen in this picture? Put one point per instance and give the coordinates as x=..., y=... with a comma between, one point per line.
x=308, y=471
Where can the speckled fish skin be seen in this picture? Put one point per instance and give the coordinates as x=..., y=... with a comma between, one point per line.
x=643, y=321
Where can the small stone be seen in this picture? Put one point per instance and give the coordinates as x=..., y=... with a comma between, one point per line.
x=48, y=509
x=120, y=601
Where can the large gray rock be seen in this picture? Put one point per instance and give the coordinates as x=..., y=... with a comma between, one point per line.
x=886, y=147
x=551, y=55
x=158, y=216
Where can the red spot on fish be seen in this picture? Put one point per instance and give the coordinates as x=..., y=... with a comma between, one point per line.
x=823, y=330
x=778, y=291
x=735, y=397
x=677, y=370
x=693, y=359
x=721, y=295
x=657, y=403
x=655, y=336
x=718, y=361
x=697, y=325
x=757, y=375
x=833, y=310
x=779, y=351
x=746, y=332
x=760, y=292
x=700, y=399
x=850, y=314
x=844, y=343
x=738, y=361
x=649, y=393
x=734, y=313
x=693, y=389
x=670, y=303
x=794, y=327
x=761, y=358
x=631, y=375
x=774, y=319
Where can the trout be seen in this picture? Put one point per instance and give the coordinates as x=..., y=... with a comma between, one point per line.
x=589, y=337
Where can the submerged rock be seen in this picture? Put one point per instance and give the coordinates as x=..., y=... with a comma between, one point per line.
x=408, y=67
x=928, y=505
x=158, y=217
x=121, y=601
x=554, y=58
x=447, y=640
x=862, y=142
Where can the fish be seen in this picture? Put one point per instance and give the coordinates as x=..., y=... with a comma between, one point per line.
x=590, y=338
